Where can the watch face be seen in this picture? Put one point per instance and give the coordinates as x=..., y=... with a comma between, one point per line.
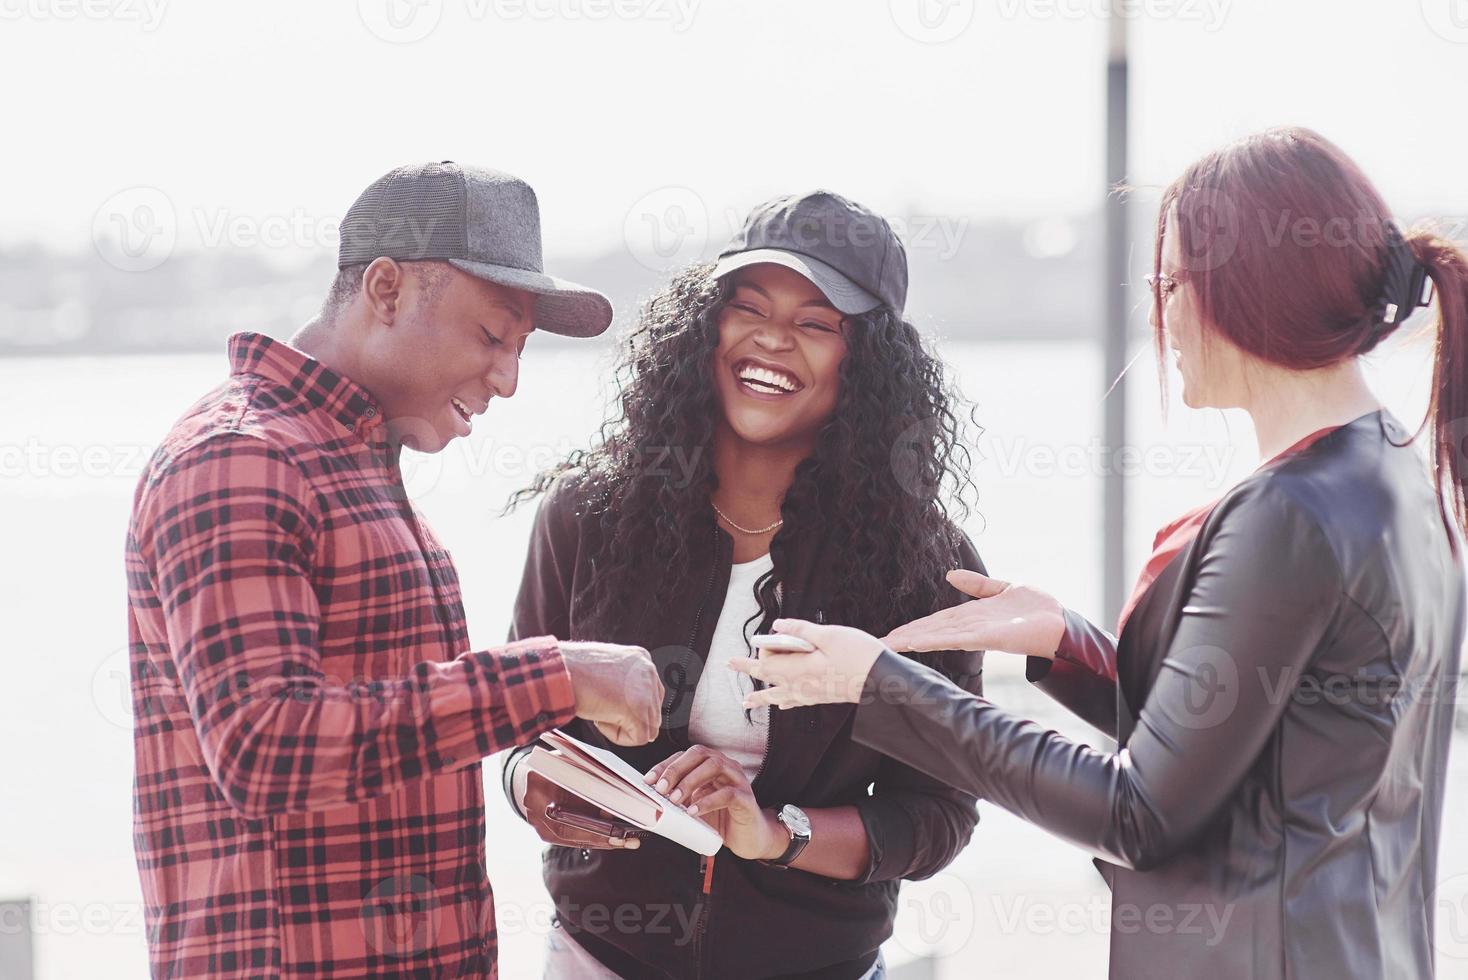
x=794, y=818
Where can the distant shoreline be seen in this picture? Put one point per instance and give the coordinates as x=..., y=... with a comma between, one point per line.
x=21, y=352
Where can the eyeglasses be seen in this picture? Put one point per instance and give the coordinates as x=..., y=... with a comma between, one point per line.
x=1163, y=284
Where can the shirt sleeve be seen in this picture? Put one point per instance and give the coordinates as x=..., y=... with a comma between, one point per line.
x=227, y=530
x=1266, y=591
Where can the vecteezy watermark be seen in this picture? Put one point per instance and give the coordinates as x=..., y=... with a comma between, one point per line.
x=667, y=228
x=679, y=14
x=935, y=917
x=1030, y=459
x=671, y=227
x=72, y=918
x=135, y=229
x=147, y=14
x=401, y=916
x=477, y=459
x=1448, y=19
x=1210, y=13
x=400, y=21
x=112, y=688
x=1210, y=229
x=66, y=461
x=676, y=922
x=407, y=21
x=1364, y=231
x=1455, y=439
x=1449, y=904
x=1210, y=688
x=932, y=21
x=1024, y=915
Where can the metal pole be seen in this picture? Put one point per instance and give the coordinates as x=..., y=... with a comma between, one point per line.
x=1114, y=490
x=17, y=948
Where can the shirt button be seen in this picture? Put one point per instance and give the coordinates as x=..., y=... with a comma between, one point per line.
x=542, y=718
x=371, y=412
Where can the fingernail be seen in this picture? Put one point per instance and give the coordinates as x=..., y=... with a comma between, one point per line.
x=779, y=624
x=677, y=795
x=647, y=777
x=693, y=809
x=632, y=844
x=662, y=785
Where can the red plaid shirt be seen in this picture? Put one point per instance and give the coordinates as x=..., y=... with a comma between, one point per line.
x=308, y=728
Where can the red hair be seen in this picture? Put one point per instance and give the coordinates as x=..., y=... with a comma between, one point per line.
x=1286, y=243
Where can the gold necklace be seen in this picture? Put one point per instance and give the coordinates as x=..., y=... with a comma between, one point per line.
x=745, y=530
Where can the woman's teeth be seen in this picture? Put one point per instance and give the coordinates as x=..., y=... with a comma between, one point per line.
x=462, y=409
x=765, y=379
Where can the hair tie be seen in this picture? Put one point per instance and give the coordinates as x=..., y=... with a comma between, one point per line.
x=1406, y=286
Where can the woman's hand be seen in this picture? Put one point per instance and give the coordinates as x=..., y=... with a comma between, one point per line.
x=834, y=673
x=1011, y=618
x=713, y=787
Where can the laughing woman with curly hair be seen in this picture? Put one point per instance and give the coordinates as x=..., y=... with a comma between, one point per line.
x=785, y=447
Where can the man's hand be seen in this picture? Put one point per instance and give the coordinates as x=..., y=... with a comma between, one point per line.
x=713, y=787
x=617, y=689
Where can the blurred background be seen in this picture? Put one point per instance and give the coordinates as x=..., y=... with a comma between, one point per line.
x=177, y=170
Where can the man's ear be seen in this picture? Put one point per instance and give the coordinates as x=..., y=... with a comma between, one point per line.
x=382, y=289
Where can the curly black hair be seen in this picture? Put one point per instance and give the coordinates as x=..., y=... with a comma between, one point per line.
x=876, y=493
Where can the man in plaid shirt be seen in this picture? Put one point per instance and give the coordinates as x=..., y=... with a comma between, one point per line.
x=310, y=722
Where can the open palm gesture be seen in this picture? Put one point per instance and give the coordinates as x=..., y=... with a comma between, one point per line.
x=1002, y=616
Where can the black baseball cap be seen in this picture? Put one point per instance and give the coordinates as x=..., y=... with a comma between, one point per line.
x=485, y=222
x=850, y=253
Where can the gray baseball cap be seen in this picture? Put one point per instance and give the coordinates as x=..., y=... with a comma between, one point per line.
x=485, y=222
x=849, y=252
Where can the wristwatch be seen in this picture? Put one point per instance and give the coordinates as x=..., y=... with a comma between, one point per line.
x=793, y=819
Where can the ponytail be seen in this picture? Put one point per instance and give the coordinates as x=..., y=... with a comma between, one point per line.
x=1447, y=266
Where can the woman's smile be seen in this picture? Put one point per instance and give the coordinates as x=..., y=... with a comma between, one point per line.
x=765, y=379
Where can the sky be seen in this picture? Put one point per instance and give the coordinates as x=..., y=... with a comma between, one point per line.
x=257, y=124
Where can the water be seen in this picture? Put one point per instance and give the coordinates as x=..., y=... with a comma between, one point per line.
x=74, y=433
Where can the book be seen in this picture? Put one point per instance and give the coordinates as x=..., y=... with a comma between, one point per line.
x=604, y=779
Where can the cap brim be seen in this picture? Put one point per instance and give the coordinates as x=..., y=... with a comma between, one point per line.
x=844, y=294
x=561, y=306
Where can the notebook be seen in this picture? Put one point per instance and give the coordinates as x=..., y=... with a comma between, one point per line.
x=604, y=779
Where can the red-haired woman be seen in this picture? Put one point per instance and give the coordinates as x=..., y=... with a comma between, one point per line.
x=1281, y=690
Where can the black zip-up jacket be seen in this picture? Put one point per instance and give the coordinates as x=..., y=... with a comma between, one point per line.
x=1283, y=697
x=663, y=911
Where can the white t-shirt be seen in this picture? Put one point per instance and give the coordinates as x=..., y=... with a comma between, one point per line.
x=719, y=719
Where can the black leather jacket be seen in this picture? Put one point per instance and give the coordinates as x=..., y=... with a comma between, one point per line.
x=1283, y=700
x=663, y=912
